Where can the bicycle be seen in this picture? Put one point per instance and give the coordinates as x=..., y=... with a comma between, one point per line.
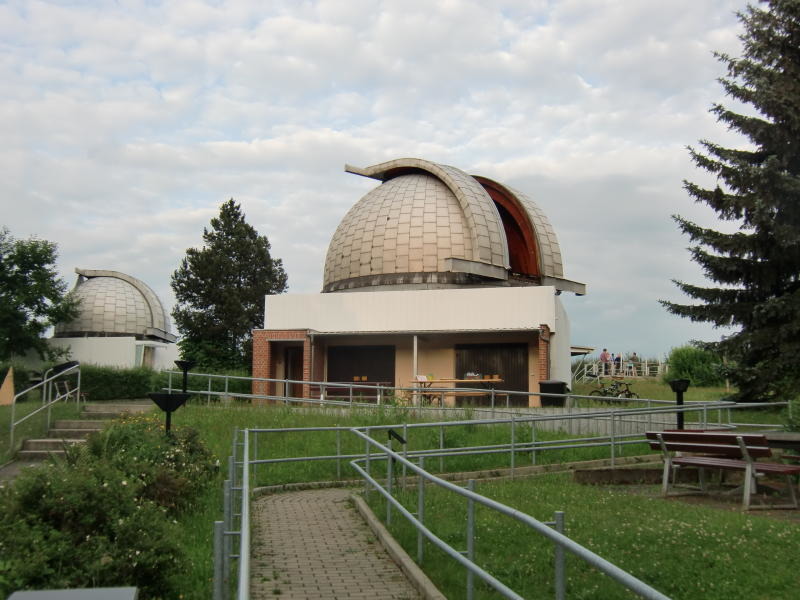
x=617, y=389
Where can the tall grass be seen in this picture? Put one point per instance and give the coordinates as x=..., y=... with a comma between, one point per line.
x=688, y=552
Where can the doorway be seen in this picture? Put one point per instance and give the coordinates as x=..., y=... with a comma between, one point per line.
x=293, y=359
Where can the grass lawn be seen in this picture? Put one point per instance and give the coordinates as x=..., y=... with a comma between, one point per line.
x=686, y=552
x=655, y=389
x=652, y=538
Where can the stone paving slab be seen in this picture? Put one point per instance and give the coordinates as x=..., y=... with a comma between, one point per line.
x=312, y=544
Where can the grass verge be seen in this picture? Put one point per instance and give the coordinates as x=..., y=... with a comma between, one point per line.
x=685, y=551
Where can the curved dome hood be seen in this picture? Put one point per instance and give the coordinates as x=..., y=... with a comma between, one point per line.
x=434, y=226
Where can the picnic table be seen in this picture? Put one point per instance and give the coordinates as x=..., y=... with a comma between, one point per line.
x=430, y=393
x=722, y=451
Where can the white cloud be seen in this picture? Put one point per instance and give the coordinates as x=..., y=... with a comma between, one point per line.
x=126, y=124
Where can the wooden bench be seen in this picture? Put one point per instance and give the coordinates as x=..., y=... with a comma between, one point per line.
x=721, y=451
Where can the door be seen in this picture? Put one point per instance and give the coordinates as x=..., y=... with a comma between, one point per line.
x=294, y=370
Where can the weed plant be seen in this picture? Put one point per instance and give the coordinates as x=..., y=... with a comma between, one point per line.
x=684, y=551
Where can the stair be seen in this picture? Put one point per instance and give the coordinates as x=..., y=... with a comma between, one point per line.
x=75, y=431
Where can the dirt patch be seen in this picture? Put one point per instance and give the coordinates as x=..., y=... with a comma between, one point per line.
x=728, y=500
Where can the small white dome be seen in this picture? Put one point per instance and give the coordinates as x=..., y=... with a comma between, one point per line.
x=112, y=303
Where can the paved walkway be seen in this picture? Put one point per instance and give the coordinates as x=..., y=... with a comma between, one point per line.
x=313, y=544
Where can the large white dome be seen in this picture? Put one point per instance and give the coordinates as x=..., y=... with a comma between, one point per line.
x=431, y=225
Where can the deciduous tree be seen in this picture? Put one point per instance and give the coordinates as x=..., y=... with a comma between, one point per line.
x=220, y=289
x=32, y=297
x=757, y=267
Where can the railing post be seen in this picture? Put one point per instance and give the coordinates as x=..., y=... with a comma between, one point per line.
x=560, y=559
x=533, y=442
x=254, y=466
x=470, y=539
x=208, y=396
x=389, y=476
x=219, y=535
x=405, y=452
x=338, y=454
x=513, y=444
x=421, y=511
x=169, y=382
x=441, y=447
x=227, y=544
x=613, y=438
x=367, y=461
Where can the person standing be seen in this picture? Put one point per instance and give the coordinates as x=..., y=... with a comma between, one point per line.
x=605, y=361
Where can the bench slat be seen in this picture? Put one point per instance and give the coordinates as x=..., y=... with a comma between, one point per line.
x=715, y=449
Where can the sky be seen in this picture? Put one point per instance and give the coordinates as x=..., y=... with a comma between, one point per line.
x=124, y=125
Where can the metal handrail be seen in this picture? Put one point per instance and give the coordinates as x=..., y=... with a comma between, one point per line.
x=47, y=403
x=623, y=577
x=613, y=440
x=243, y=592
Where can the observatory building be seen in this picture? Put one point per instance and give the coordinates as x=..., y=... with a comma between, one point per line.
x=434, y=274
x=121, y=322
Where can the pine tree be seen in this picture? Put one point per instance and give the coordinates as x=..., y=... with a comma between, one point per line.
x=757, y=268
x=220, y=290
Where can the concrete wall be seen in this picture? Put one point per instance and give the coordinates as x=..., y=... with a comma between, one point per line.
x=475, y=309
x=110, y=351
x=560, y=358
x=115, y=351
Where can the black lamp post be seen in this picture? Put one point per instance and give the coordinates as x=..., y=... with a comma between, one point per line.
x=185, y=365
x=170, y=402
x=679, y=386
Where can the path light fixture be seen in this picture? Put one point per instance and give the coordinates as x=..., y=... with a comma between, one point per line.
x=679, y=386
x=170, y=402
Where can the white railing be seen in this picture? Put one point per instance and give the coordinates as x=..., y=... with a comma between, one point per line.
x=49, y=396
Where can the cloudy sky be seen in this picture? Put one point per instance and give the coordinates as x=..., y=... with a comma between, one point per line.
x=125, y=124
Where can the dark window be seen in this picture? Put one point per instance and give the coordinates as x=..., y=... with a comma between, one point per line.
x=368, y=363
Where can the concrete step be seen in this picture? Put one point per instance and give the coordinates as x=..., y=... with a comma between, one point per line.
x=48, y=445
x=118, y=407
x=29, y=456
x=90, y=424
x=71, y=434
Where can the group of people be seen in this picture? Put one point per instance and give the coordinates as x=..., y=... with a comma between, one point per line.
x=612, y=363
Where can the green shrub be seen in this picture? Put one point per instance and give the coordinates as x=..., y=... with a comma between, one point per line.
x=169, y=470
x=112, y=383
x=105, y=516
x=701, y=367
x=84, y=526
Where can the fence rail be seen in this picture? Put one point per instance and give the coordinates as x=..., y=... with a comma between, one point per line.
x=246, y=456
x=50, y=394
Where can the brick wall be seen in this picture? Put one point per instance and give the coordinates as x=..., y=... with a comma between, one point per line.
x=544, y=353
x=263, y=357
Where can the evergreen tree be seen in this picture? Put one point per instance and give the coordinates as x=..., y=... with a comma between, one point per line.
x=757, y=268
x=220, y=290
x=32, y=297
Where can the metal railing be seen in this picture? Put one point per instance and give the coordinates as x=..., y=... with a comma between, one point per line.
x=362, y=462
x=587, y=370
x=50, y=396
x=466, y=559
